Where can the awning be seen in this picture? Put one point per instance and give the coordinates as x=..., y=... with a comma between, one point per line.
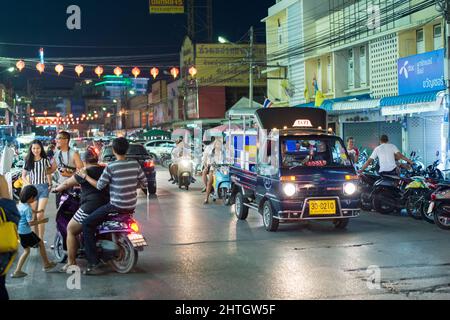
x=243, y=108
x=328, y=103
x=358, y=105
x=409, y=99
x=412, y=103
x=157, y=133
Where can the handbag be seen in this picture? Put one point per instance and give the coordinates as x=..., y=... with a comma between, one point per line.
x=9, y=239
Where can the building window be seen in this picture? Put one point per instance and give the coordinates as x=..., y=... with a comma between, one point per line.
x=329, y=75
x=280, y=32
x=420, y=43
x=351, y=68
x=437, y=36
x=319, y=74
x=363, y=66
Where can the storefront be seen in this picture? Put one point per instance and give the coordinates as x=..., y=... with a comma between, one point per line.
x=422, y=116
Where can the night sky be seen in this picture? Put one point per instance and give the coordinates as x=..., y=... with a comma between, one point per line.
x=112, y=25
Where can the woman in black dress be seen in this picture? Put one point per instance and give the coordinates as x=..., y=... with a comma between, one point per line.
x=91, y=199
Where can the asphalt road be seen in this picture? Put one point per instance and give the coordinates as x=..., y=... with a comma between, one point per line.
x=202, y=252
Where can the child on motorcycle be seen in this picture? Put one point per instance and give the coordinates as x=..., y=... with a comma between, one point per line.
x=123, y=177
x=91, y=199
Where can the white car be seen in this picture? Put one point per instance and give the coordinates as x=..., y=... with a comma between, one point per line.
x=157, y=148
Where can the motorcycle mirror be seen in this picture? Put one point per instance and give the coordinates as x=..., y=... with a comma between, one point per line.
x=437, y=153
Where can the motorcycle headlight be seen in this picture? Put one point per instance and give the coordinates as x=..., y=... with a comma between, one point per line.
x=349, y=188
x=185, y=163
x=289, y=189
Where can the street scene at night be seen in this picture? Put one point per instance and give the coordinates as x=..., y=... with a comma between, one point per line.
x=240, y=151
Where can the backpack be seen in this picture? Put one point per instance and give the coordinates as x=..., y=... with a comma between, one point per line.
x=9, y=242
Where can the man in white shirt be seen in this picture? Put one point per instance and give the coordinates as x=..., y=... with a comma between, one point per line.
x=387, y=155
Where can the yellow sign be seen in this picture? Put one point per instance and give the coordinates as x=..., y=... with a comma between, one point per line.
x=227, y=64
x=166, y=6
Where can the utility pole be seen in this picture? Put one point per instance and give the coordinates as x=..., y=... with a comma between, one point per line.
x=443, y=6
x=250, y=56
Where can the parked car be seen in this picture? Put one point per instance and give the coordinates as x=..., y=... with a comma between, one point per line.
x=136, y=152
x=157, y=148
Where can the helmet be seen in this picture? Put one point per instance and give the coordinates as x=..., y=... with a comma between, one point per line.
x=90, y=155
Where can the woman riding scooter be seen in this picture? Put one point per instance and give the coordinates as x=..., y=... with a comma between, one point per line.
x=91, y=199
x=215, y=157
x=176, y=155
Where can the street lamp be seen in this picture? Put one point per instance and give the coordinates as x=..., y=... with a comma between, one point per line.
x=223, y=40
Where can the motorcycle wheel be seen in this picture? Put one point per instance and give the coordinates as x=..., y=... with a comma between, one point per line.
x=58, y=249
x=366, y=205
x=128, y=256
x=382, y=202
x=414, y=206
x=428, y=217
x=442, y=218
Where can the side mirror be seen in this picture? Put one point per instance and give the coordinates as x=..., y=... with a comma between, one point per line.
x=437, y=153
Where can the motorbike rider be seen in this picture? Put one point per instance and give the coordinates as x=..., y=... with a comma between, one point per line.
x=123, y=178
x=91, y=199
x=206, y=167
x=387, y=155
x=176, y=154
x=66, y=160
x=215, y=157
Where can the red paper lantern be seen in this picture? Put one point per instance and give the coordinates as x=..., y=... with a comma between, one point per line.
x=174, y=72
x=136, y=72
x=79, y=69
x=154, y=72
x=118, y=71
x=40, y=67
x=99, y=71
x=59, y=68
x=20, y=65
x=193, y=71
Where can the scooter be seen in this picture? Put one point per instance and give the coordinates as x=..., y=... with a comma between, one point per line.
x=185, y=173
x=118, y=237
x=440, y=206
x=222, y=184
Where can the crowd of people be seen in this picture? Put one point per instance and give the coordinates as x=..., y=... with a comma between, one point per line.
x=103, y=190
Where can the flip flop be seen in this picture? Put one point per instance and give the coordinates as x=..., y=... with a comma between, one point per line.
x=18, y=275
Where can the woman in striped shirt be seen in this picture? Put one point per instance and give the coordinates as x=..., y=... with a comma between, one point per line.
x=37, y=172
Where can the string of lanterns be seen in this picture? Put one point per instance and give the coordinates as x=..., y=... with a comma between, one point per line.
x=99, y=70
x=68, y=120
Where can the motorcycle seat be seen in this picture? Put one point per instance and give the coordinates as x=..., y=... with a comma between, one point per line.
x=391, y=177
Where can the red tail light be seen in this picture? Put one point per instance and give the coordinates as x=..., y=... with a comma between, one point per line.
x=433, y=197
x=148, y=164
x=135, y=227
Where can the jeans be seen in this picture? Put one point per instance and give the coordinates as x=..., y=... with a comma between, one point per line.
x=90, y=227
x=3, y=293
x=43, y=191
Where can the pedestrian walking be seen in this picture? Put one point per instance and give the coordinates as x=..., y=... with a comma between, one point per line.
x=12, y=215
x=36, y=172
x=29, y=239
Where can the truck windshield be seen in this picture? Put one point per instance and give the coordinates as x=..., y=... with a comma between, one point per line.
x=313, y=152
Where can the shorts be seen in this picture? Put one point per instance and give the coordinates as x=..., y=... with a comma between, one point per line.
x=85, y=210
x=30, y=240
x=43, y=192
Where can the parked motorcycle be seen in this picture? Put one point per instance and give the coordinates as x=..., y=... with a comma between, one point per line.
x=165, y=160
x=439, y=207
x=118, y=238
x=222, y=184
x=184, y=173
x=366, y=183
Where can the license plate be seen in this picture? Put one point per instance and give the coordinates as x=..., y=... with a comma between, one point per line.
x=430, y=208
x=137, y=240
x=322, y=207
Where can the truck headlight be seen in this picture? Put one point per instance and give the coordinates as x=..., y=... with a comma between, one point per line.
x=349, y=188
x=289, y=189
